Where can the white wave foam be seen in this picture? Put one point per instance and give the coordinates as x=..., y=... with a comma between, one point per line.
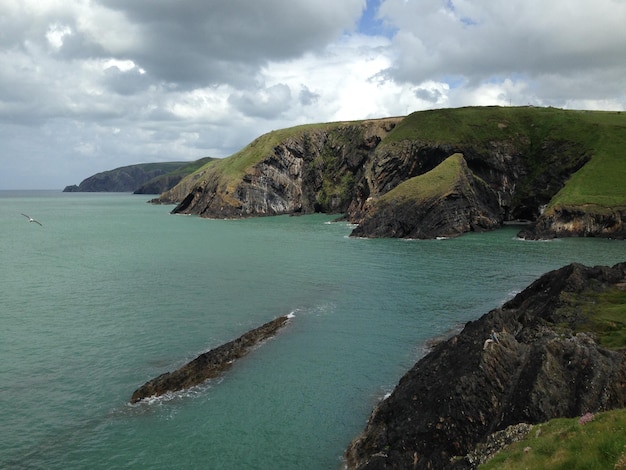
x=542, y=240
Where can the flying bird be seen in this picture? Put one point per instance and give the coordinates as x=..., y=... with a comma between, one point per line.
x=30, y=219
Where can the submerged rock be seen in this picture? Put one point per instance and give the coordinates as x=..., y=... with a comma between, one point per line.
x=543, y=362
x=208, y=365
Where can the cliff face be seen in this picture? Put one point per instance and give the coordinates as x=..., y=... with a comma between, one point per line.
x=586, y=221
x=310, y=170
x=542, y=365
x=125, y=179
x=517, y=158
x=446, y=201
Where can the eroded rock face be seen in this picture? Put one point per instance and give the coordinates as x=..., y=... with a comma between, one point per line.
x=208, y=365
x=314, y=171
x=578, y=222
x=469, y=206
x=341, y=168
x=468, y=387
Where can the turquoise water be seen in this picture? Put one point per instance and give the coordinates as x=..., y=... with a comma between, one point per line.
x=112, y=291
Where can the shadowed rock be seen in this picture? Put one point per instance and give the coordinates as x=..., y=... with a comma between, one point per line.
x=208, y=365
x=540, y=365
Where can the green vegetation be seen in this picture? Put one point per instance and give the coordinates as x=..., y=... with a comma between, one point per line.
x=569, y=445
x=602, y=180
x=184, y=170
x=235, y=166
x=432, y=184
x=600, y=134
x=603, y=314
x=570, y=135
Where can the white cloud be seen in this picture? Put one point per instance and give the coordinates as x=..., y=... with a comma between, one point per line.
x=89, y=85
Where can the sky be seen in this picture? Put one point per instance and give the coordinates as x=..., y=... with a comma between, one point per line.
x=91, y=85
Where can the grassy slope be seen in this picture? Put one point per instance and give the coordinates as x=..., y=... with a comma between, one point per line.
x=601, y=181
x=603, y=134
x=566, y=444
x=232, y=168
x=435, y=183
x=606, y=317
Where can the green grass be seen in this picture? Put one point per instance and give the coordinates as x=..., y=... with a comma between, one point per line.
x=602, y=135
x=435, y=183
x=566, y=444
x=232, y=168
x=606, y=317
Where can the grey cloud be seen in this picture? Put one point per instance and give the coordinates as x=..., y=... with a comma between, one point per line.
x=199, y=43
x=425, y=94
x=307, y=97
x=506, y=39
x=266, y=103
x=125, y=82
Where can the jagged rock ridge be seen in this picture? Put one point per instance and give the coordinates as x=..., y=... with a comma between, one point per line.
x=542, y=366
x=208, y=365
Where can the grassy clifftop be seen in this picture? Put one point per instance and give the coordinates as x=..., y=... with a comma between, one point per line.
x=602, y=134
x=534, y=160
x=585, y=443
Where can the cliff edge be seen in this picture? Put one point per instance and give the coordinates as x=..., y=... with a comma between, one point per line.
x=555, y=350
x=523, y=164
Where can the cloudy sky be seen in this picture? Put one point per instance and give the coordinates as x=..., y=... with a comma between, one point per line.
x=91, y=85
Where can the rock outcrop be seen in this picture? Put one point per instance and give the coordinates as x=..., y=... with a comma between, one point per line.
x=526, y=362
x=520, y=157
x=589, y=221
x=445, y=202
x=142, y=178
x=124, y=179
x=301, y=170
x=208, y=365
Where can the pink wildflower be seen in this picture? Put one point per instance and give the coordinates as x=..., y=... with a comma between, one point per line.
x=586, y=418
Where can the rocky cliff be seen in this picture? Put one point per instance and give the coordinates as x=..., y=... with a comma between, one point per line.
x=294, y=171
x=517, y=158
x=142, y=178
x=123, y=179
x=549, y=352
x=587, y=221
x=447, y=201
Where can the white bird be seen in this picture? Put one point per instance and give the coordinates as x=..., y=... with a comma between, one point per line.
x=30, y=219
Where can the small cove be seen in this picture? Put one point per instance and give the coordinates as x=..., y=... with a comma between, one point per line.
x=112, y=291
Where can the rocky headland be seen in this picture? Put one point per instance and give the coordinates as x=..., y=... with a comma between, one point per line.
x=517, y=165
x=555, y=350
x=142, y=178
x=208, y=365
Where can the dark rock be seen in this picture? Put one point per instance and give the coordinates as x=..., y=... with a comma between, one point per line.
x=158, y=185
x=124, y=179
x=208, y=365
x=310, y=170
x=466, y=204
x=578, y=222
x=468, y=388
x=523, y=156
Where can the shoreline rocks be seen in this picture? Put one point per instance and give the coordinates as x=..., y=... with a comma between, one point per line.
x=539, y=365
x=208, y=365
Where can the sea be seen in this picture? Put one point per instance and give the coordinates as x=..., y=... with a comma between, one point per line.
x=111, y=291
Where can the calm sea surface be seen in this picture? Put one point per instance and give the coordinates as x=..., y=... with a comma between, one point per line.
x=112, y=292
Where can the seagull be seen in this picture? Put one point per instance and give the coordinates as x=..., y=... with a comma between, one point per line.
x=30, y=219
